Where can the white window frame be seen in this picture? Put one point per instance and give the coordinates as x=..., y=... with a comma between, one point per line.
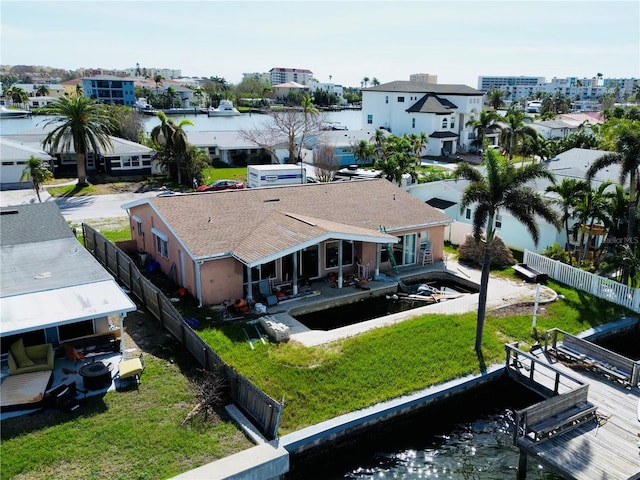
x=161, y=242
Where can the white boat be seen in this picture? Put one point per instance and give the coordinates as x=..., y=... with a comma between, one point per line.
x=12, y=113
x=225, y=109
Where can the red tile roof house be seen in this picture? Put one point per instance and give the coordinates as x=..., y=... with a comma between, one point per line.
x=219, y=242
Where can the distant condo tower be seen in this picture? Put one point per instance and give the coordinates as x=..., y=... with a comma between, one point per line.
x=423, y=78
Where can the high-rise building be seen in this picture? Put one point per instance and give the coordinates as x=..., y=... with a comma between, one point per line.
x=486, y=84
x=278, y=75
x=423, y=78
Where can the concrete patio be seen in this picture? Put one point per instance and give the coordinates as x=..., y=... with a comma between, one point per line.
x=502, y=292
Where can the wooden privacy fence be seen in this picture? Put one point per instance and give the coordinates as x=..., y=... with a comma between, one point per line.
x=264, y=410
x=597, y=286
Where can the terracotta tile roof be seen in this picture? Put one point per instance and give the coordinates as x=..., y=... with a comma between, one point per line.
x=255, y=223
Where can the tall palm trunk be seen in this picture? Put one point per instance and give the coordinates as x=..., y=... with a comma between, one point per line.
x=82, y=169
x=482, y=297
x=631, y=224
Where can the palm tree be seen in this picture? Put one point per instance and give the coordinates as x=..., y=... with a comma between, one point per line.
x=569, y=191
x=495, y=98
x=418, y=144
x=592, y=208
x=79, y=122
x=79, y=90
x=485, y=122
x=375, y=82
x=158, y=81
x=173, y=140
x=365, y=81
x=38, y=172
x=515, y=131
x=17, y=95
x=42, y=91
x=363, y=151
x=627, y=156
x=502, y=187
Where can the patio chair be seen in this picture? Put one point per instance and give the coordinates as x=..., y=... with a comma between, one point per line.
x=426, y=252
x=264, y=287
x=65, y=397
x=129, y=371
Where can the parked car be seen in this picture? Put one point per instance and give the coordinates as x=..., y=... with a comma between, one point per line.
x=221, y=185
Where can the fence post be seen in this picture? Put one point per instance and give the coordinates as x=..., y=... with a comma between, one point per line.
x=525, y=257
x=556, y=269
x=594, y=284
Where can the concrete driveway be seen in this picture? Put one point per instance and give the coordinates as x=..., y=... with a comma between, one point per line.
x=77, y=209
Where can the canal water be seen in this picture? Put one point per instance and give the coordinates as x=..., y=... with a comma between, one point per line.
x=352, y=119
x=465, y=438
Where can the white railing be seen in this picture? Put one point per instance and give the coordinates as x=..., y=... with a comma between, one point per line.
x=600, y=287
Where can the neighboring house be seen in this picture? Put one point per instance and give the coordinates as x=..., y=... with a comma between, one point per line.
x=56, y=90
x=71, y=86
x=331, y=88
x=281, y=91
x=440, y=111
x=126, y=158
x=40, y=102
x=14, y=157
x=552, y=129
x=229, y=147
x=110, y=89
x=343, y=142
x=445, y=195
x=219, y=243
x=52, y=289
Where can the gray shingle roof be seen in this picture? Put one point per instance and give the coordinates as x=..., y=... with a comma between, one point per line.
x=431, y=103
x=256, y=223
x=418, y=87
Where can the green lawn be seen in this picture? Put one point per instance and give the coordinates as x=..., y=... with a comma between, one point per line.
x=123, y=435
x=211, y=174
x=138, y=435
x=319, y=383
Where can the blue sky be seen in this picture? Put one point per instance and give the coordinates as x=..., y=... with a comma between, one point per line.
x=347, y=40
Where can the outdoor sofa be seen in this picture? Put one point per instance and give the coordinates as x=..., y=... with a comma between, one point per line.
x=30, y=359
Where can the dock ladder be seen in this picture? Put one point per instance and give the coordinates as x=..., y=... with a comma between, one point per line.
x=389, y=247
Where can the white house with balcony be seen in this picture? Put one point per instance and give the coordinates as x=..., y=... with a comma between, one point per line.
x=440, y=111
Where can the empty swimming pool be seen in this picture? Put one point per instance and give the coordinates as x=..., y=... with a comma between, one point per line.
x=407, y=298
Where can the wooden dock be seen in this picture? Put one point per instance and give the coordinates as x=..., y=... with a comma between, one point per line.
x=600, y=446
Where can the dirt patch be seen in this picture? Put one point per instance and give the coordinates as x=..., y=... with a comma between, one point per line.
x=518, y=309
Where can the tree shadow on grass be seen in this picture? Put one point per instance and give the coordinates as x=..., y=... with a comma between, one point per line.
x=595, y=311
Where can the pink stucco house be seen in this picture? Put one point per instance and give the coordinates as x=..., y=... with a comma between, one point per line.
x=218, y=243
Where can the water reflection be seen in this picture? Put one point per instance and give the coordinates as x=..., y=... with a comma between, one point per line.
x=468, y=437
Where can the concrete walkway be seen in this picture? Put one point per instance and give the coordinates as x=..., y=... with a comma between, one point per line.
x=502, y=292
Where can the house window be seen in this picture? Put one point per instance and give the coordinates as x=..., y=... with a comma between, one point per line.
x=400, y=99
x=424, y=238
x=498, y=221
x=369, y=119
x=445, y=122
x=161, y=241
x=138, y=221
x=386, y=99
x=413, y=123
x=75, y=330
x=453, y=123
x=331, y=253
x=404, y=252
x=467, y=214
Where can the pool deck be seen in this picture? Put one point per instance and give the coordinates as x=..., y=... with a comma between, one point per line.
x=502, y=292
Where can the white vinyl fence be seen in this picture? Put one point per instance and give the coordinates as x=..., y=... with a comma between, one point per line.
x=597, y=286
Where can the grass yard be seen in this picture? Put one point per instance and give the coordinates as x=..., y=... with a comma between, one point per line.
x=123, y=435
x=321, y=382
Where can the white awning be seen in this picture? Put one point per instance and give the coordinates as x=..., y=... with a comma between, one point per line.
x=50, y=308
